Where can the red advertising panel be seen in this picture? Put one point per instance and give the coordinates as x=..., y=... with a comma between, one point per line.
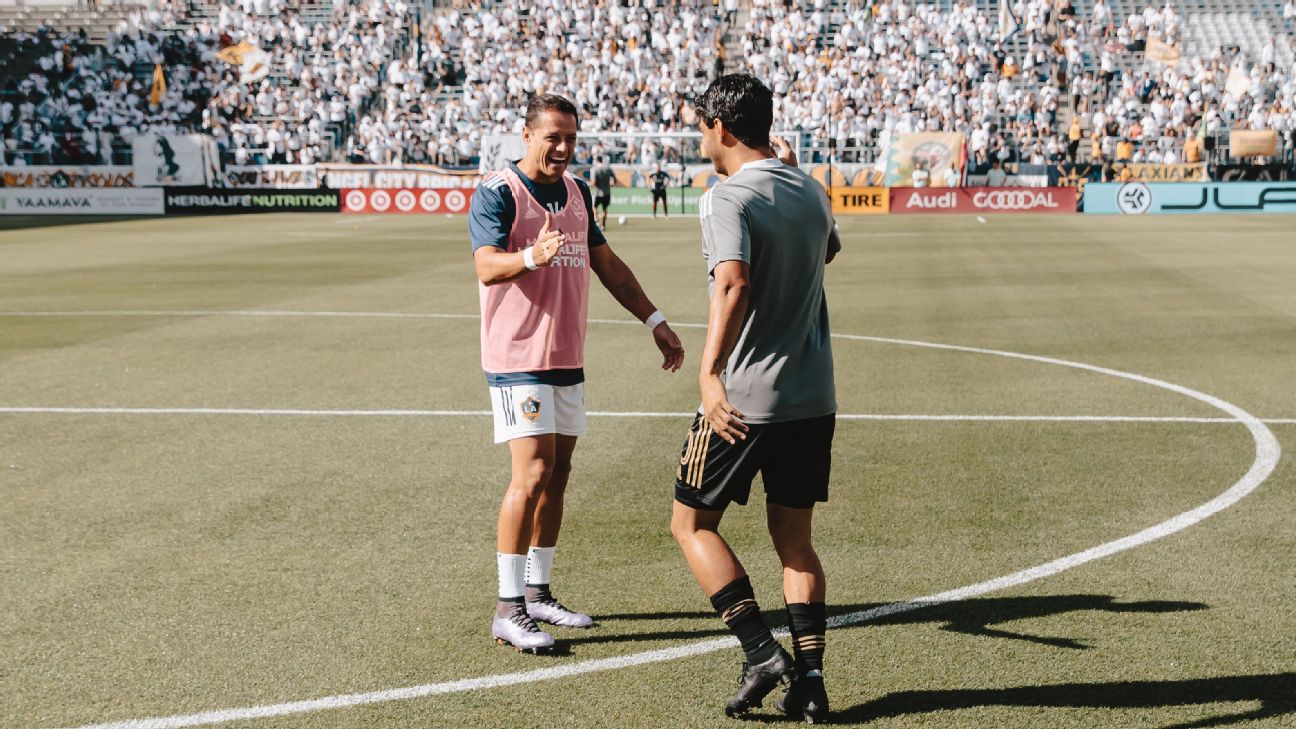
x=983, y=200
x=382, y=200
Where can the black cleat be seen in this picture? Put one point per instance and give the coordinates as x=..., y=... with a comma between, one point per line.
x=805, y=699
x=755, y=683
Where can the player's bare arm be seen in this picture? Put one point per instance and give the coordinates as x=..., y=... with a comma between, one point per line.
x=620, y=281
x=497, y=266
x=724, y=322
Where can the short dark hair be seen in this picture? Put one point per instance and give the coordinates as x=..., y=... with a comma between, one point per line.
x=743, y=103
x=548, y=102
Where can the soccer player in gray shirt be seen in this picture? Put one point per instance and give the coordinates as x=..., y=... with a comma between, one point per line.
x=768, y=401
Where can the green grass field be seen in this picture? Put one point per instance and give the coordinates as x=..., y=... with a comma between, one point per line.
x=237, y=528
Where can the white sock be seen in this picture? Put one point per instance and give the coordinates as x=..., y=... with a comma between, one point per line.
x=512, y=568
x=539, y=565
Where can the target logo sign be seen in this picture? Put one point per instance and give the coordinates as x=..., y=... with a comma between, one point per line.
x=455, y=200
x=405, y=201
x=380, y=200
x=430, y=201
x=355, y=201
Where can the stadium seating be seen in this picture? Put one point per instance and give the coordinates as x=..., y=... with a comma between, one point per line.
x=384, y=81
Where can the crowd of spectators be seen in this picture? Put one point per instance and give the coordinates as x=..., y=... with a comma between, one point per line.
x=630, y=68
x=375, y=81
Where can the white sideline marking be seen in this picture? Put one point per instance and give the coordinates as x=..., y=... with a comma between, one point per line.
x=626, y=414
x=1267, y=453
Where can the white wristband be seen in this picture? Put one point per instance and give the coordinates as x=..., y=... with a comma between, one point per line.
x=528, y=258
x=654, y=319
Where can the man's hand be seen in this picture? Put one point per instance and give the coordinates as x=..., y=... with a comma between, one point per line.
x=724, y=418
x=548, y=243
x=669, y=344
x=783, y=151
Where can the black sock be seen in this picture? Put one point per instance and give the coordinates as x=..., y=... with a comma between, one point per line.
x=537, y=593
x=509, y=605
x=808, y=627
x=736, y=604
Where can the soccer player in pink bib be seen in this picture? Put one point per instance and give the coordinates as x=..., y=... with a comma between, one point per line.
x=534, y=242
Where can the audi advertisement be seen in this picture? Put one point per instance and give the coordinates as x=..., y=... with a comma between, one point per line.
x=911, y=200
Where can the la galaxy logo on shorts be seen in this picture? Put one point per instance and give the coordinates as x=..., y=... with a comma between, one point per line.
x=530, y=408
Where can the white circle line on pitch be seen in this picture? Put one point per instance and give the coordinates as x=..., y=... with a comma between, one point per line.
x=1267, y=453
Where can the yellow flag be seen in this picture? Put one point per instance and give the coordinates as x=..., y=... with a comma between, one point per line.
x=159, y=86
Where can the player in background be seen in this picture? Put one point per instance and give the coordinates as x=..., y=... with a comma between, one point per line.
x=603, y=177
x=534, y=244
x=659, y=180
x=768, y=399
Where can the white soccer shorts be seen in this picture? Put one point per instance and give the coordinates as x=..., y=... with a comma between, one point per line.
x=526, y=410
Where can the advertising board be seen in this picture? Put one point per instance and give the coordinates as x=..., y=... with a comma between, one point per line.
x=443, y=200
x=1138, y=198
x=983, y=200
x=209, y=201
x=81, y=201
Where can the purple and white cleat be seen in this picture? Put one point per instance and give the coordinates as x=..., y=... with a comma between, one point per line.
x=520, y=631
x=549, y=610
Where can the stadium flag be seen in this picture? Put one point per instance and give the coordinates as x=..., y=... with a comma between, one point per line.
x=1009, y=24
x=1161, y=52
x=1238, y=83
x=233, y=55
x=159, y=86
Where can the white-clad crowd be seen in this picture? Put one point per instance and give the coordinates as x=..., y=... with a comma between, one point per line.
x=370, y=85
x=630, y=68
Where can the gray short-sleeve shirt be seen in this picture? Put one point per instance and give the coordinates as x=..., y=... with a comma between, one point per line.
x=777, y=220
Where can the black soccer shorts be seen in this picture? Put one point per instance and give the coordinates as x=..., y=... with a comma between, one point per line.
x=602, y=201
x=794, y=459
x=659, y=195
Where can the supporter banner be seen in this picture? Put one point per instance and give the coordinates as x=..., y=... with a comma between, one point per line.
x=1252, y=173
x=68, y=176
x=1067, y=174
x=342, y=176
x=81, y=201
x=1011, y=181
x=931, y=151
x=1144, y=172
x=163, y=160
x=983, y=200
x=1253, y=143
x=860, y=200
x=497, y=150
x=417, y=200
x=1138, y=198
x=206, y=201
x=272, y=176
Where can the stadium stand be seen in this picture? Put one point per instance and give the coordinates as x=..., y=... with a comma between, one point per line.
x=395, y=82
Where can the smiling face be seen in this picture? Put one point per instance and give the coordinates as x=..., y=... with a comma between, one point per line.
x=550, y=142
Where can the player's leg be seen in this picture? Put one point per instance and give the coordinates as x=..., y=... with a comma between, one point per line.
x=665, y=207
x=540, y=602
x=532, y=466
x=713, y=473
x=796, y=478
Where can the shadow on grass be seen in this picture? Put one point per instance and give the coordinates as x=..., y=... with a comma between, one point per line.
x=1276, y=694
x=970, y=617
x=26, y=222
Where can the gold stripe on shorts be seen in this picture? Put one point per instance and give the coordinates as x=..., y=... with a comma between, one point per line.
x=698, y=466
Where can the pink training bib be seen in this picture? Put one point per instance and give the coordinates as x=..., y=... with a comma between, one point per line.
x=538, y=321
